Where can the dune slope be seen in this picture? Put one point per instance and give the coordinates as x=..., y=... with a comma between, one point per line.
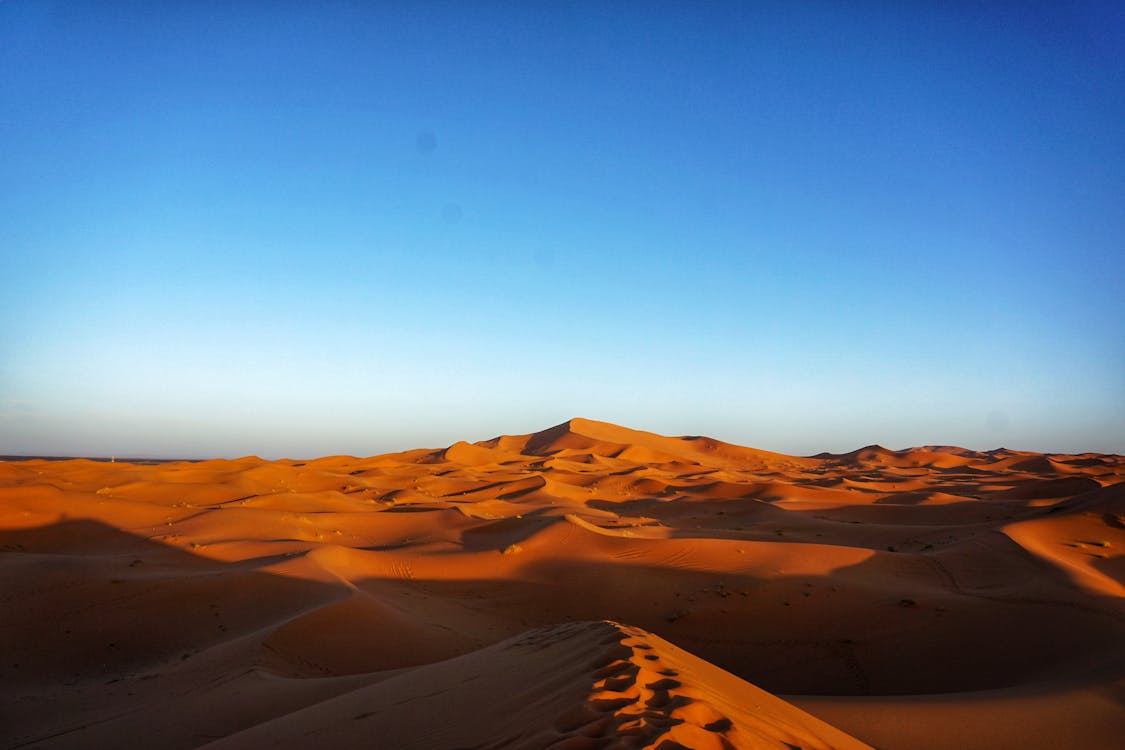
x=576, y=685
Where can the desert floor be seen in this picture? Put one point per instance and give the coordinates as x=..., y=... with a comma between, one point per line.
x=587, y=586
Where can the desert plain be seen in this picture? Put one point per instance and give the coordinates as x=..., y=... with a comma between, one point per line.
x=586, y=586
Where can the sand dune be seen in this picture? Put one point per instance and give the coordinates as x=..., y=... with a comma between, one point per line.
x=575, y=685
x=470, y=597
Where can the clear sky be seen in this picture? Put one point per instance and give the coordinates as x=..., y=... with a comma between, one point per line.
x=297, y=229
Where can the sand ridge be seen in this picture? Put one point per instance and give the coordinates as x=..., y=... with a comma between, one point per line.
x=574, y=685
x=210, y=601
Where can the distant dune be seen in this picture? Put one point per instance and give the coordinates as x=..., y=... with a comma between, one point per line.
x=586, y=586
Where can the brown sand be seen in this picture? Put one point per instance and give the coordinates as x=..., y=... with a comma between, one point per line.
x=470, y=597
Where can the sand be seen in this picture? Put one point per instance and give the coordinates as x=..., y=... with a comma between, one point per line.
x=587, y=586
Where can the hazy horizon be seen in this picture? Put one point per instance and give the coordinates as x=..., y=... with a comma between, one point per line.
x=450, y=441
x=350, y=229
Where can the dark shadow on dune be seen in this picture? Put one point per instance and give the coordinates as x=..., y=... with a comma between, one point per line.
x=501, y=533
x=100, y=597
x=101, y=627
x=914, y=498
x=874, y=526
x=831, y=635
x=1033, y=489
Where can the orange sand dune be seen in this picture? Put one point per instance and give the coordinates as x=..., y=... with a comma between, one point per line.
x=576, y=685
x=928, y=597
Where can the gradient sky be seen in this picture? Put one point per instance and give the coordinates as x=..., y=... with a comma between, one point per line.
x=297, y=229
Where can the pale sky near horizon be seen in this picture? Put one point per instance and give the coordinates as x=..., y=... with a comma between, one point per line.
x=292, y=229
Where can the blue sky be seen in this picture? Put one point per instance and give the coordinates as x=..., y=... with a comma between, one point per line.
x=293, y=229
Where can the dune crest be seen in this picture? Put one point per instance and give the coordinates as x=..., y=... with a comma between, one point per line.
x=573, y=685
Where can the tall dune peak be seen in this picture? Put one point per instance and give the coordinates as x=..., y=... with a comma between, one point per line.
x=611, y=440
x=585, y=433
